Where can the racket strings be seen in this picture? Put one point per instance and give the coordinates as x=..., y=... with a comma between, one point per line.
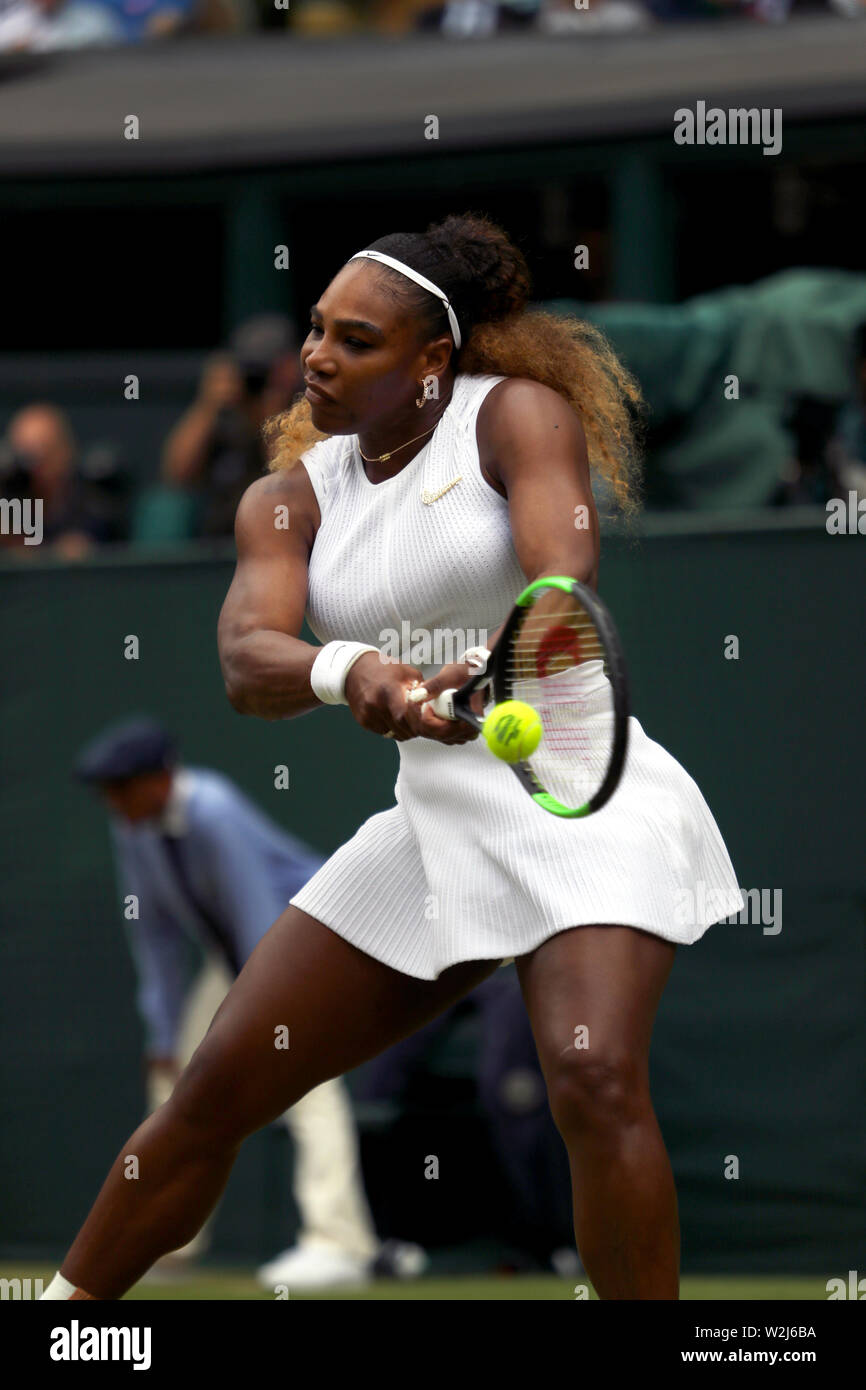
x=557, y=664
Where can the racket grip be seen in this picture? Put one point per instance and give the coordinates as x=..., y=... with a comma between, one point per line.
x=443, y=704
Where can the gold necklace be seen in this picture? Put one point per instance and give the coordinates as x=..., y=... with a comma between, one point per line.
x=383, y=458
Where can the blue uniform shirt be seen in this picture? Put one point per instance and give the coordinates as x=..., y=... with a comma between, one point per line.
x=229, y=873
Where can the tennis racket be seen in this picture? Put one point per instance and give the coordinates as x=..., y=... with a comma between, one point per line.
x=559, y=653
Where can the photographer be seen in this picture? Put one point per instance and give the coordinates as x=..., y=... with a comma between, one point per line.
x=216, y=448
x=39, y=461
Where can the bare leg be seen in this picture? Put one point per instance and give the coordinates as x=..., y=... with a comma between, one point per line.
x=608, y=979
x=340, y=1008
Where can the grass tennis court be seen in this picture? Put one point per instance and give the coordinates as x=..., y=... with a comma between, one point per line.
x=239, y=1285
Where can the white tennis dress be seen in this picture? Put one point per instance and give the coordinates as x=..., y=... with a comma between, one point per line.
x=466, y=866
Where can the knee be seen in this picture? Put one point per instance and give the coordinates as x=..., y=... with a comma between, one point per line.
x=606, y=1091
x=207, y=1100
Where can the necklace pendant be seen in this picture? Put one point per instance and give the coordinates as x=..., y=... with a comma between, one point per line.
x=383, y=458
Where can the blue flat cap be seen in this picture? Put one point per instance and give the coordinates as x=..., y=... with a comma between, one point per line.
x=124, y=750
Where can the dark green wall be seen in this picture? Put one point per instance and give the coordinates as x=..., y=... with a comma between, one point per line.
x=759, y=1046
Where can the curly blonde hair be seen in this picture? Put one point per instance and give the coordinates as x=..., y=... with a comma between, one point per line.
x=486, y=278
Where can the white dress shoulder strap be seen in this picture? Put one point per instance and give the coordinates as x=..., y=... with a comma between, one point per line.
x=469, y=393
x=323, y=462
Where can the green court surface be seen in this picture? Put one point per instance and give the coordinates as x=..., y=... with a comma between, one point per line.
x=227, y=1284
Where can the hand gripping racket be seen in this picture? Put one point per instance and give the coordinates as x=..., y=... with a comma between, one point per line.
x=559, y=653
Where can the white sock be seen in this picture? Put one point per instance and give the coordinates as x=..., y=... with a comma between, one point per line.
x=59, y=1288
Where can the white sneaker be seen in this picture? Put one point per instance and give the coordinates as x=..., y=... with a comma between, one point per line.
x=314, y=1267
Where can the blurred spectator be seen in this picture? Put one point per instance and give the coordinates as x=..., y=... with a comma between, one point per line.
x=216, y=448
x=142, y=19
x=820, y=466
x=325, y=18
x=224, y=16
x=41, y=26
x=54, y=24
x=851, y=430
x=680, y=10
x=82, y=506
x=594, y=17
x=476, y=19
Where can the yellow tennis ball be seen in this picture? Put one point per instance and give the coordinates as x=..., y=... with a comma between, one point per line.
x=512, y=731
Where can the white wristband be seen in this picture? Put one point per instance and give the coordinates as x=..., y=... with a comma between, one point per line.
x=331, y=667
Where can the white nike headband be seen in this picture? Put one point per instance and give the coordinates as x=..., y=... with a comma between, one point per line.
x=419, y=280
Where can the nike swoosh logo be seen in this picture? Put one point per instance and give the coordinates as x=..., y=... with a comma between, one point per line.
x=428, y=498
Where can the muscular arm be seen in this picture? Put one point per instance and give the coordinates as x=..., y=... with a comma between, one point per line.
x=533, y=451
x=265, y=665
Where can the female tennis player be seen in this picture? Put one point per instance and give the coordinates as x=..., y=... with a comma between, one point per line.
x=437, y=466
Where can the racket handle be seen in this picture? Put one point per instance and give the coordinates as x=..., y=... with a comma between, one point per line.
x=443, y=704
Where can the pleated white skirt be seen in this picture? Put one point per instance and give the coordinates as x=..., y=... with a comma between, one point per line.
x=467, y=867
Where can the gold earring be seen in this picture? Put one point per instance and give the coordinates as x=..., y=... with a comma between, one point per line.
x=420, y=400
